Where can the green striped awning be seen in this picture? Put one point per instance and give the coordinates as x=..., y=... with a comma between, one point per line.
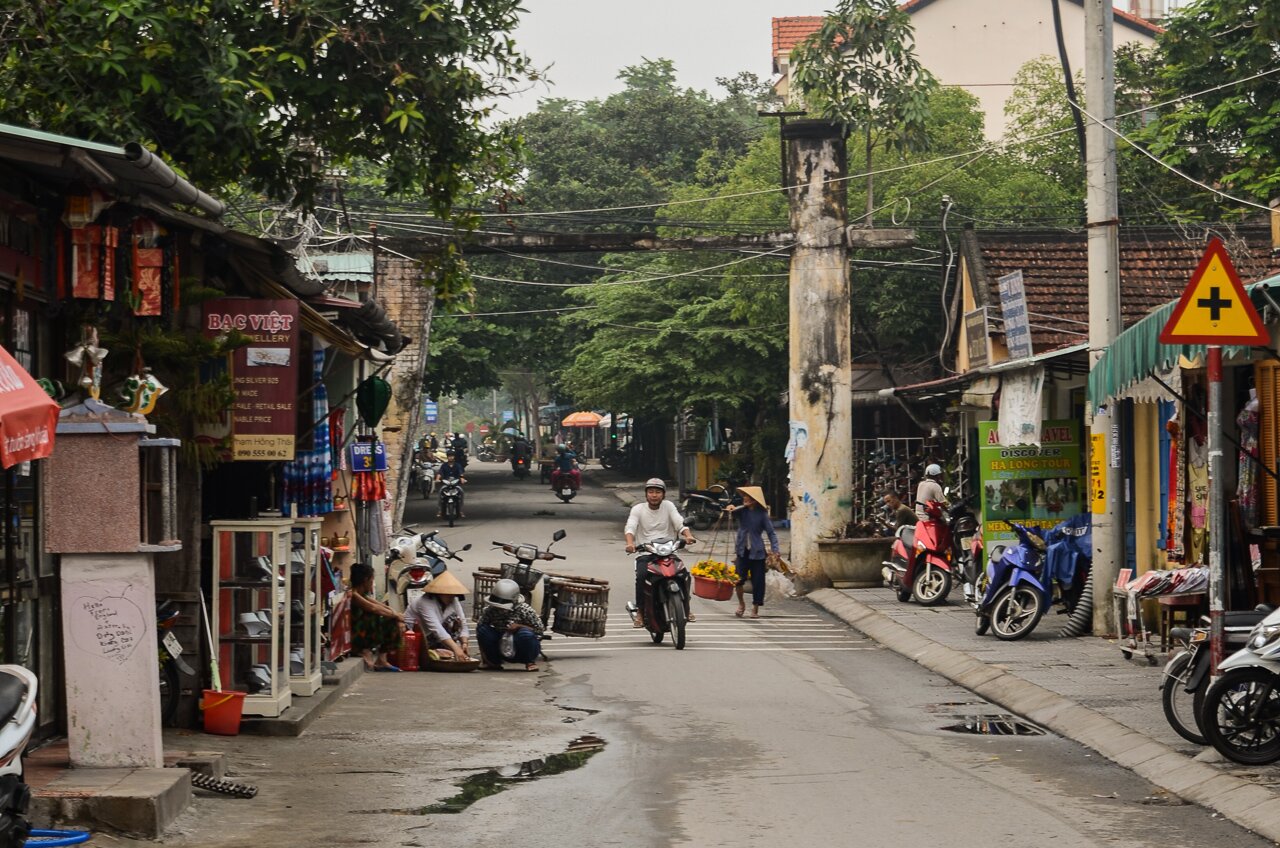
x=1137, y=352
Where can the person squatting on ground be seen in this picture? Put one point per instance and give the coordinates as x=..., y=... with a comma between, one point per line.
x=653, y=519
x=375, y=627
x=506, y=612
x=753, y=524
x=438, y=615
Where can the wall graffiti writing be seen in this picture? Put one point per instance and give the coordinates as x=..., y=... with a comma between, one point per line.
x=110, y=627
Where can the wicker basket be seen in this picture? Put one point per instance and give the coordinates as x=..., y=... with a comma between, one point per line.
x=485, y=580
x=581, y=609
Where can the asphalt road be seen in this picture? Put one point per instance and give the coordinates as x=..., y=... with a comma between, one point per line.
x=788, y=730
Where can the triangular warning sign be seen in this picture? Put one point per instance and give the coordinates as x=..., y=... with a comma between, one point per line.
x=1214, y=309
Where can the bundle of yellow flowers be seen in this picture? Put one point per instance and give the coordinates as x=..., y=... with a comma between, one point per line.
x=714, y=570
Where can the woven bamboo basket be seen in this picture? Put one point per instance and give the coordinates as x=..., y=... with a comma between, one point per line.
x=581, y=609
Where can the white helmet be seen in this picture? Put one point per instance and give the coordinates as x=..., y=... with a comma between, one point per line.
x=933, y=470
x=654, y=483
x=506, y=590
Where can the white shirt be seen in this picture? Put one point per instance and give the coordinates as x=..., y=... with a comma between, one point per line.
x=426, y=609
x=649, y=525
x=928, y=490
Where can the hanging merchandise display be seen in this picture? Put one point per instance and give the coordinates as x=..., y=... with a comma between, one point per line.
x=1198, y=498
x=93, y=262
x=1173, y=538
x=337, y=435
x=1247, y=461
x=140, y=392
x=155, y=268
x=308, y=479
x=372, y=398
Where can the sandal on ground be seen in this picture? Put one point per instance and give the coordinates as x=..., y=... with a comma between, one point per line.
x=692, y=618
x=385, y=668
x=740, y=611
x=637, y=623
x=484, y=666
x=530, y=666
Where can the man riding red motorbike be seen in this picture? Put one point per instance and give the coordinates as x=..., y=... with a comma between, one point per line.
x=566, y=472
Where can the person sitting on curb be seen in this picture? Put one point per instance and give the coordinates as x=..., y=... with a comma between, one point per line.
x=506, y=612
x=375, y=627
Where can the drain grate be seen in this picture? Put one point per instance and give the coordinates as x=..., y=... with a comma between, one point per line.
x=1000, y=724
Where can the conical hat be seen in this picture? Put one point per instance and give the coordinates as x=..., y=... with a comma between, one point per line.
x=756, y=494
x=446, y=584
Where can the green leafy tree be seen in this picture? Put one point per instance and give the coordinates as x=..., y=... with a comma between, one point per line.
x=1229, y=137
x=270, y=93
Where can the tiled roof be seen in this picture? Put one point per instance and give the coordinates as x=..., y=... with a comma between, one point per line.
x=1155, y=266
x=788, y=32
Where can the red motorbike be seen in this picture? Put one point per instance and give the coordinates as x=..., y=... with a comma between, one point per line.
x=666, y=592
x=565, y=484
x=919, y=564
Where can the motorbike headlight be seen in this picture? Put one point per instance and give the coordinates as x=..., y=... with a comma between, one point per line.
x=526, y=552
x=920, y=546
x=1199, y=636
x=1263, y=635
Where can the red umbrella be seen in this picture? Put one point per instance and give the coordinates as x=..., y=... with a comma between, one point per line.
x=28, y=416
x=580, y=419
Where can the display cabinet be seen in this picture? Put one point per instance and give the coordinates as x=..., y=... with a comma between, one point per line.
x=306, y=606
x=251, y=609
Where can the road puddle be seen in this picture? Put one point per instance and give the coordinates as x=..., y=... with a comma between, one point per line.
x=502, y=778
x=993, y=725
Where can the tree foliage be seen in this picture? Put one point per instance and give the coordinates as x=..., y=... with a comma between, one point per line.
x=271, y=93
x=860, y=68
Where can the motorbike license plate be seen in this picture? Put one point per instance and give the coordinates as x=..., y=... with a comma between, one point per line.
x=566, y=491
x=412, y=595
x=171, y=645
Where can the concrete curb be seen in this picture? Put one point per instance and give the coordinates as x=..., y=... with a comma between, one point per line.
x=1247, y=804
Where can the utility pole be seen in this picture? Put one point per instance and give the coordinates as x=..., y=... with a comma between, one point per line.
x=820, y=390
x=1104, y=302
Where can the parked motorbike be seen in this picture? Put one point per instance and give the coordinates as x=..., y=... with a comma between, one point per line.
x=613, y=458
x=919, y=564
x=451, y=499
x=701, y=508
x=520, y=467
x=485, y=453
x=18, y=688
x=423, y=477
x=531, y=580
x=1015, y=598
x=966, y=547
x=664, y=602
x=171, y=662
x=1186, y=675
x=425, y=557
x=1240, y=716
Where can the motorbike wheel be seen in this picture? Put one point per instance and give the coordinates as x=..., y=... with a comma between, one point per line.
x=904, y=593
x=982, y=625
x=15, y=797
x=1015, y=612
x=1241, y=716
x=931, y=586
x=1179, y=704
x=676, y=620
x=169, y=690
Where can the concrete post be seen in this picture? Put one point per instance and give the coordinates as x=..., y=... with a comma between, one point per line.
x=1104, y=297
x=820, y=450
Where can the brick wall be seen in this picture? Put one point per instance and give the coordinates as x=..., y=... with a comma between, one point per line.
x=409, y=304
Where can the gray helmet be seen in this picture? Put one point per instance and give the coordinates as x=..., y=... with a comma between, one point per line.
x=933, y=470
x=654, y=483
x=506, y=590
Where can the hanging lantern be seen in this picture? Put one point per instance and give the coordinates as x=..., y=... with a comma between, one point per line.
x=372, y=398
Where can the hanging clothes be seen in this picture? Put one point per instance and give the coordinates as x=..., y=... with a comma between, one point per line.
x=1173, y=538
x=1198, y=498
x=1247, y=462
x=308, y=478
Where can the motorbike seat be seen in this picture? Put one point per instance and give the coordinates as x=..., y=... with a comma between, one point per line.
x=1242, y=618
x=13, y=690
x=1180, y=634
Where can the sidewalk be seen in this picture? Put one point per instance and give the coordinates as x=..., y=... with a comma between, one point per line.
x=1082, y=689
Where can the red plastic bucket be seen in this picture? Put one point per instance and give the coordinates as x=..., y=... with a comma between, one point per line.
x=408, y=653
x=222, y=711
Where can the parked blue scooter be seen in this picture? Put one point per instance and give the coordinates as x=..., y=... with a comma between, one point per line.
x=1015, y=598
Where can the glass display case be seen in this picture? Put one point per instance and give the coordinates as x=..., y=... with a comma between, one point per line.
x=251, y=609
x=306, y=606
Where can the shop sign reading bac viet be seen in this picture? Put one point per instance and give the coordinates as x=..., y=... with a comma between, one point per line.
x=1214, y=308
x=264, y=374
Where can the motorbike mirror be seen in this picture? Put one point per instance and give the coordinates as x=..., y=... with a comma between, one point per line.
x=558, y=535
x=946, y=493
x=467, y=546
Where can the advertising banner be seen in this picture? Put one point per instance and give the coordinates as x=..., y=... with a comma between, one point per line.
x=264, y=373
x=431, y=410
x=1017, y=323
x=1036, y=487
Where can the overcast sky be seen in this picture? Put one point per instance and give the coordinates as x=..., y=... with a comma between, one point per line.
x=588, y=41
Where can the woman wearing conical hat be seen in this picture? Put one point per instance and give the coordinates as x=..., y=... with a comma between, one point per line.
x=753, y=526
x=438, y=615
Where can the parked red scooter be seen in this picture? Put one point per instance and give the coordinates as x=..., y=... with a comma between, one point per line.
x=919, y=564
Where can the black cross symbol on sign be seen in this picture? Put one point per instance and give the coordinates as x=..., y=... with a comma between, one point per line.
x=1214, y=304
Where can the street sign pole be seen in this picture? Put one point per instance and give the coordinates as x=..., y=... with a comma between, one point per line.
x=1217, y=536
x=1215, y=310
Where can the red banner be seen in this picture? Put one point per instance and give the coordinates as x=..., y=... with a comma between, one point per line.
x=28, y=416
x=264, y=374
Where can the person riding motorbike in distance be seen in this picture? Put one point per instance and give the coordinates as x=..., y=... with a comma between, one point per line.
x=653, y=519
x=452, y=468
x=566, y=466
x=930, y=489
